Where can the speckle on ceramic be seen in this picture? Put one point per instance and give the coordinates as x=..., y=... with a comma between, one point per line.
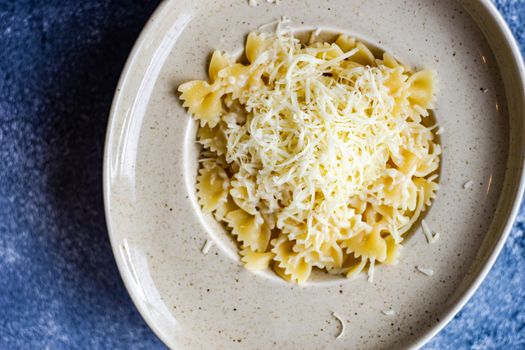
x=196, y=301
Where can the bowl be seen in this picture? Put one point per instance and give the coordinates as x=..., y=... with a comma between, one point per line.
x=193, y=300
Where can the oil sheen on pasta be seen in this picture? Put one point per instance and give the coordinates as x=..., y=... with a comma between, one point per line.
x=314, y=155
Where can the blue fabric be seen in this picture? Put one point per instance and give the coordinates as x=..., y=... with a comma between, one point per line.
x=59, y=286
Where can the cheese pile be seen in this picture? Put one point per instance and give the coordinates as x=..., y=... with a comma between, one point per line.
x=315, y=156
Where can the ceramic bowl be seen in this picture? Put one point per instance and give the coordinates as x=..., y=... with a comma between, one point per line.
x=201, y=301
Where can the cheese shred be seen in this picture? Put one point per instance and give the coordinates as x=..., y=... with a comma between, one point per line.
x=425, y=270
x=468, y=184
x=207, y=246
x=342, y=323
x=388, y=312
x=431, y=238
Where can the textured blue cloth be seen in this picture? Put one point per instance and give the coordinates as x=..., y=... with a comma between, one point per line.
x=59, y=286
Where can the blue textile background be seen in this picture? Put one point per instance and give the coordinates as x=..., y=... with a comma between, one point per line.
x=59, y=286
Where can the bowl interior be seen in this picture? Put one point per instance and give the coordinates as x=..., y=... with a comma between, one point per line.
x=193, y=300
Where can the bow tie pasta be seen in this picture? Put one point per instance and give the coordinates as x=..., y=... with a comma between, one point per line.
x=314, y=156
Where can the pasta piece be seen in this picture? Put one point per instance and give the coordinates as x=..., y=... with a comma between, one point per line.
x=235, y=76
x=408, y=162
x=345, y=42
x=280, y=271
x=397, y=190
x=212, y=188
x=390, y=62
x=297, y=268
x=355, y=268
x=202, y=101
x=395, y=82
x=331, y=256
x=430, y=162
x=428, y=188
x=256, y=261
x=211, y=160
x=358, y=204
x=242, y=193
x=363, y=56
x=292, y=228
x=218, y=62
x=224, y=208
x=291, y=264
x=370, y=245
x=282, y=248
x=255, y=45
x=327, y=51
x=212, y=139
x=392, y=251
x=249, y=230
x=421, y=88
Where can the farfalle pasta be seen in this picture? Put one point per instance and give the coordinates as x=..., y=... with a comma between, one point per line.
x=315, y=156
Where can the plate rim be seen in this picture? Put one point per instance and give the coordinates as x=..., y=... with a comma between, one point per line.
x=453, y=309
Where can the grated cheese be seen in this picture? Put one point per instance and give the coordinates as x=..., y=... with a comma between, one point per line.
x=371, y=270
x=468, y=184
x=207, y=246
x=341, y=321
x=314, y=35
x=278, y=24
x=425, y=270
x=431, y=238
x=388, y=312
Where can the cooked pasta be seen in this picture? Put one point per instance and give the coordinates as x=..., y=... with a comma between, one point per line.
x=315, y=156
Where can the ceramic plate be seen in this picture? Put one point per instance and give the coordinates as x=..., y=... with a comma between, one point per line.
x=197, y=301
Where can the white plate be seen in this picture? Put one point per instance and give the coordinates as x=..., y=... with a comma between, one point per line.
x=197, y=301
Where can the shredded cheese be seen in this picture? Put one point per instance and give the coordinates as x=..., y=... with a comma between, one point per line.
x=425, y=270
x=468, y=184
x=388, y=312
x=207, y=246
x=431, y=238
x=314, y=35
x=278, y=24
x=342, y=323
x=371, y=270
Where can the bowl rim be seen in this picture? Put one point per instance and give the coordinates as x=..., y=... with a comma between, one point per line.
x=452, y=311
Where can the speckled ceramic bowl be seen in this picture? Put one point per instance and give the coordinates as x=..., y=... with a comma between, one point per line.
x=197, y=301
